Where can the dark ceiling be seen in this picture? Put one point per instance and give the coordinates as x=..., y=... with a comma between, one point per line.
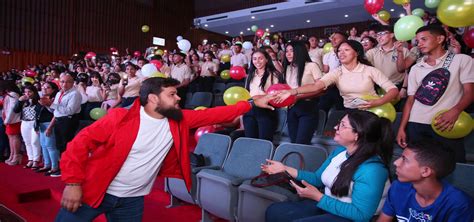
x=210, y=7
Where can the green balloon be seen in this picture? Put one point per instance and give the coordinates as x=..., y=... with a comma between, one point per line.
x=456, y=13
x=235, y=94
x=462, y=127
x=254, y=28
x=27, y=79
x=225, y=74
x=418, y=12
x=406, y=27
x=432, y=3
x=97, y=113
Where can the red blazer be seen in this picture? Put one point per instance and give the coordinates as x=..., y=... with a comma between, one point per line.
x=97, y=153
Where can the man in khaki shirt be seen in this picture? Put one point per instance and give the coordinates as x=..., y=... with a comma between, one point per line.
x=389, y=56
x=181, y=72
x=315, y=53
x=417, y=117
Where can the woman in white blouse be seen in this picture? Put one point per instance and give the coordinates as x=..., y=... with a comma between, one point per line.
x=355, y=78
x=208, y=72
x=94, y=92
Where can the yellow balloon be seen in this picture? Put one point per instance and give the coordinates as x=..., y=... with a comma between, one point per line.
x=235, y=94
x=384, y=15
x=225, y=74
x=327, y=47
x=381, y=92
x=158, y=74
x=225, y=58
x=386, y=110
x=200, y=108
x=462, y=127
x=401, y=2
x=456, y=13
x=159, y=52
x=145, y=28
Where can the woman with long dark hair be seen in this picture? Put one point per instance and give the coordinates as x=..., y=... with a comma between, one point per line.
x=45, y=124
x=28, y=106
x=12, y=121
x=355, y=78
x=260, y=123
x=355, y=176
x=299, y=70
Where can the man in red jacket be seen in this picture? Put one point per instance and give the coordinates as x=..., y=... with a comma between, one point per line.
x=112, y=164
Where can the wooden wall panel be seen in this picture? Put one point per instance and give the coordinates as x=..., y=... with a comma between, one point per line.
x=35, y=31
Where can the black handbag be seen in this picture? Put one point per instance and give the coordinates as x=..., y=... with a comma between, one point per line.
x=197, y=160
x=279, y=179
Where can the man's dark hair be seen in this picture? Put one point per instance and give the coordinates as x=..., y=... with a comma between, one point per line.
x=383, y=28
x=433, y=29
x=435, y=155
x=155, y=86
x=341, y=33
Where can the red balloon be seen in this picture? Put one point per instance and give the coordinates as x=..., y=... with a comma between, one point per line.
x=259, y=33
x=157, y=63
x=373, y=6
x=277, y=87
x=468, y=38
x=56, y=81
x=31, y=73
x=237, y=72
x=205, y=129
x=137, y=53
x=89, y=55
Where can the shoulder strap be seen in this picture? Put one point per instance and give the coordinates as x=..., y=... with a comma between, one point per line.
x=448, y=60
x=299, y=155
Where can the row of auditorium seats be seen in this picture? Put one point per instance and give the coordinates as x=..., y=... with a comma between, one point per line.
x=222, y=187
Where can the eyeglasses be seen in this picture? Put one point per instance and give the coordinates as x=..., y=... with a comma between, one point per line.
x=46, y=87
x=365, y=41
x=381, y=33
x=341, y=125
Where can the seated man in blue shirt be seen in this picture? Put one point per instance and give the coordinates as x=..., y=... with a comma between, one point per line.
x=420, y=194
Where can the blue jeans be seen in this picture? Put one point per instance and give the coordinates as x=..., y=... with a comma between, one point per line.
x=300, y=211
x=418, y=131
x=302, y=121
x=260, y=123
x=126, y=209
x=48, y=146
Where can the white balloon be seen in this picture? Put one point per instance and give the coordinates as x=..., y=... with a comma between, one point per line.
x=179, y=38
x=148, y=69
x=247, y=45
x=184, y=45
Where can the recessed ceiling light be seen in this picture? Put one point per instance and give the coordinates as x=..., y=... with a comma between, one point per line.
x=205, y=25
x=267, y=29
x=401, y=14
x=248, y=29
x=241, y=32
x=253, y=17
x=308, y=21
x=226, y=32
x=302, y=35
x=392, y=10
x=346, y=16
x=271, y=26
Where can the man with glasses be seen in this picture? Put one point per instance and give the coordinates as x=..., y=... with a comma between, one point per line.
x=389, y=56
x=66, y=106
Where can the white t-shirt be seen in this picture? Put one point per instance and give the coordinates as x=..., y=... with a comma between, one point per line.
x=139, y=171
x=239, y=60
x=330, y=59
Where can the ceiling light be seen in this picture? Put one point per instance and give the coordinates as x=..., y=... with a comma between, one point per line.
x=241, y=32
x=253, y=17
x=226, y=32
x=392, y=10
x=248, y=29
x=267, y=29
x=308, y=21
x=205, y=25
x=271, y=26
x=346, y=16
x=401, y=14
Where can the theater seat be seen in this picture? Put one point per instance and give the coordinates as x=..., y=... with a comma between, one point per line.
x=217, y=189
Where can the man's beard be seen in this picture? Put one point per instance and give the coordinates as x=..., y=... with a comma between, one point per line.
x=171, y=112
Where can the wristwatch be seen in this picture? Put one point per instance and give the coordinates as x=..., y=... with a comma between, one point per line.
x=251, y=101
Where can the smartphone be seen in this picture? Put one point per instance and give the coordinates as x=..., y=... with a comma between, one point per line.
x=297, y=182
x=357, y=102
